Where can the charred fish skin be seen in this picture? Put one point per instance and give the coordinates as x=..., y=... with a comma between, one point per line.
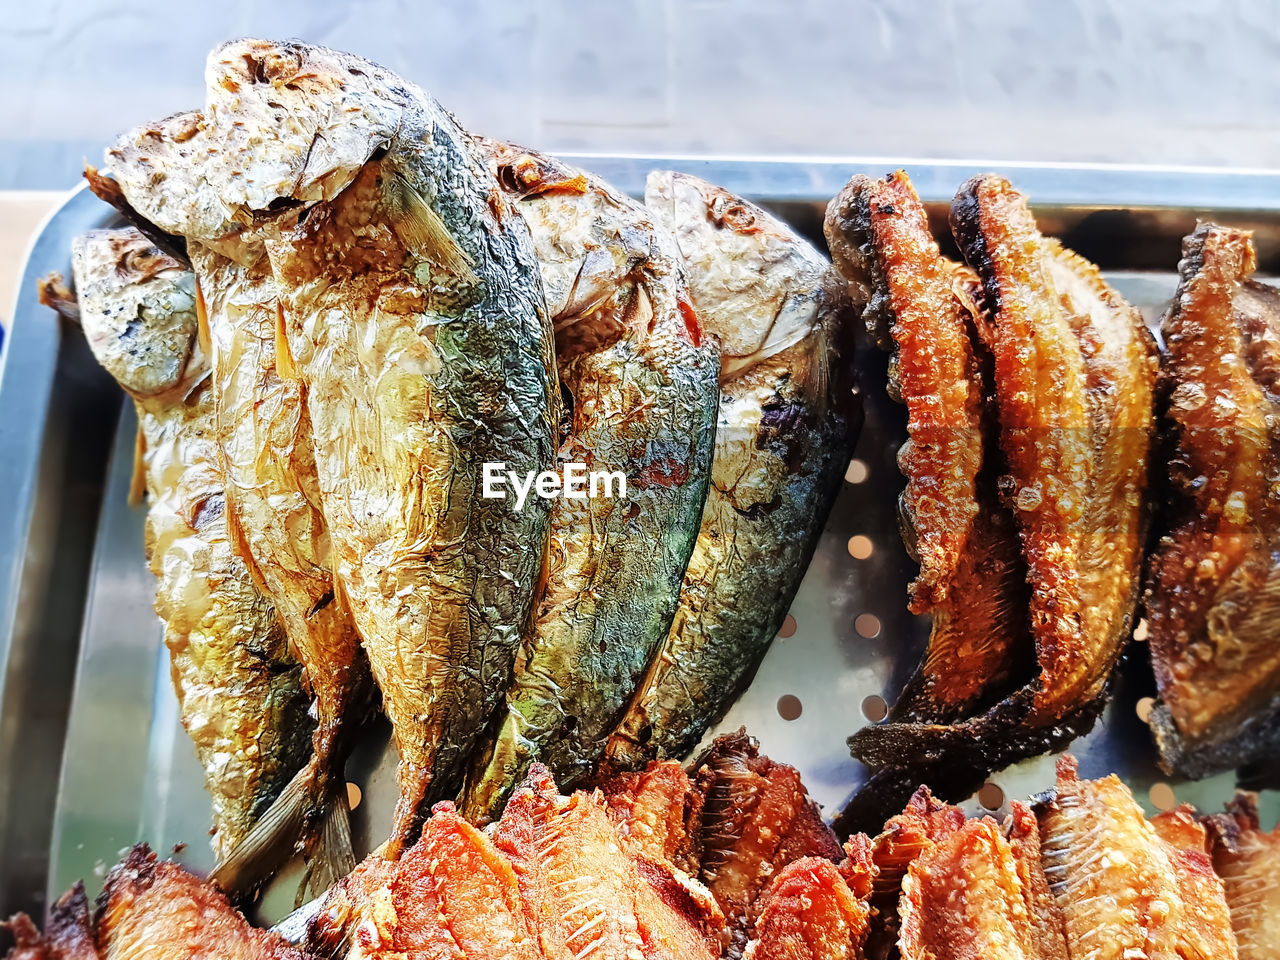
x=414, y=314
x=787, y=421
x=972, y=578
x=644, y=390
x=240, y=693
x=1214, y=578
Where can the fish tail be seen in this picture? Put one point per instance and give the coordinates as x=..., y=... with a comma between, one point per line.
x=280, y=831
x=334, y=856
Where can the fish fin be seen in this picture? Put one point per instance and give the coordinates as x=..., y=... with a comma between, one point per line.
x=285, y=367
x=334, y=856
x=272, y=839
x=420, y=229
x=138, y=481
x=202, y=322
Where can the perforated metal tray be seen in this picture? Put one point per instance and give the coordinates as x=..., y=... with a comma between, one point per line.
x=92, y=755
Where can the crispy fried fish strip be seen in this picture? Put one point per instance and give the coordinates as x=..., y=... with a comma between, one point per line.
x=1213, y=597
x=1206, y=922
x=809, y=913
x=1248, y=861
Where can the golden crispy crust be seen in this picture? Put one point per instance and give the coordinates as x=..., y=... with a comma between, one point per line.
x=1205, y=927
x=155, y=908
x=1248, y=861
x=659, y=813
x=1213, y=594
x=809, y=913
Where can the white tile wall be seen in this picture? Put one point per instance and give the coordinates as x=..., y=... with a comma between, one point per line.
x=1158, y=81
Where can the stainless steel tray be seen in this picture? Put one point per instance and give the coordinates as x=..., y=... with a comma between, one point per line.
x=92, y=756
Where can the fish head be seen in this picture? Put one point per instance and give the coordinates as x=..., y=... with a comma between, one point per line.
x=757, y=286
x=285, y=125
x=138, y=311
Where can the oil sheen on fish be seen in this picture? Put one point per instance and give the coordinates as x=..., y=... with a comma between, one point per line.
x=1116, y=881
x=809, y=913
x=643, y=393
x=1213, y=597
x=240, y=693
x=1073, y=379
x=276, y=525
x=413, y=314
x=972, y=578
x=787, y=421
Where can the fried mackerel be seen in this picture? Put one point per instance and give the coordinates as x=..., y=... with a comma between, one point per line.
x=1213, y=597
x=1073, y=374
x=1122, y=888
x=276, y=525
x=412, y=312
x=240, y=693
x=642, y=390
x=1248, y=861
x=972, y=577
x=787, y=421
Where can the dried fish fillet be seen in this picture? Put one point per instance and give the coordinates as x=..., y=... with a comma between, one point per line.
x=1248, y=861
x=413, y=313
x=1073, y=376
x=240, y=693
x=787, y=421
x=644, y=394
x=1214, y=578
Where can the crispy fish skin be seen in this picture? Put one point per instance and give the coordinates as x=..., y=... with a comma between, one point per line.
x=156, y=909
x=972, y=578
x=1214, y=579
x=273, y=503
x=68, y=934
x=1206, y=922
x=240, y=693
x=809, y=913
x=414, y=315
x=658, y=811
x=1074, y=371
x=645, y=393
x=786, y=425
x=1116, y=881
x=966, y=898
x=1248, y=862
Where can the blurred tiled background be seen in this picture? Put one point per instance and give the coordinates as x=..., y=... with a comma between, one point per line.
x=1148, y=81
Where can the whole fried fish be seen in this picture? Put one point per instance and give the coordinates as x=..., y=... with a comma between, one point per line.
x=643, y=394
x=240, y=693
x=786, y=426
x=1213, y=596
x=1073, y=375
x=413, y=313
x=276, y=525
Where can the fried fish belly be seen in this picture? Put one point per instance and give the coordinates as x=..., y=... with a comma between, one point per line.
x=1248, y=861
x=810, y=913
x=1118, y=884
x=1213, y=595
x=156, y=909
x=68, y=933
x=787, y=421
x=1206, y=927
x=413, y=314
x=276, y=525
x=240, y=693
x=1073, y=376
x=643, y=392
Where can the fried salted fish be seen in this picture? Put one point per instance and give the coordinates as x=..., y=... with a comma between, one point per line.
x=1073, y=370
x=1248, y=861
x=240, y=693
x=412, y=311
x=643, y=390
x=1213, y=595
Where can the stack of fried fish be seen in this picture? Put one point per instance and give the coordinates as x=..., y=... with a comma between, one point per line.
x=335, y=307
x=732, y=861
